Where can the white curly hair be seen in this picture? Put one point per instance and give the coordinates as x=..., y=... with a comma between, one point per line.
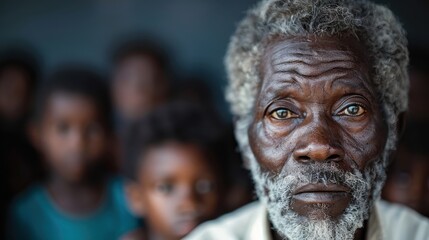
x=373, y=25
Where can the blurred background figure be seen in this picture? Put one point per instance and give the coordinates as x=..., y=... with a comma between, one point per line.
x=194, y=88
x=79, y=198
x=19, y=73
x=140, y=81
x=240, y=187
x=178, y=176
x=408, y=177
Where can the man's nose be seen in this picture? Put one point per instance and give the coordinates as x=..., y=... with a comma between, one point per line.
x=319, y=143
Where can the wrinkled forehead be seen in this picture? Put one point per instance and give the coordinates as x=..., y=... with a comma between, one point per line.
x=316, y=48
x=314, y=56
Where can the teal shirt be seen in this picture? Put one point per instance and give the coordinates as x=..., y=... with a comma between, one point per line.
x=34, y=216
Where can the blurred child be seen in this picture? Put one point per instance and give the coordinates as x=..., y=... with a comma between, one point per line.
x=176, y=176
x=408, y=176
x=139, y=79
x=19, y=160
x=18, y=78
x=139, y=84
x=79, y=199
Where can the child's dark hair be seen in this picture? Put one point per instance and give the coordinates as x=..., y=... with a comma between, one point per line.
x=181, y=122
x=79, y=81
x=141, y=47
x=24, y=60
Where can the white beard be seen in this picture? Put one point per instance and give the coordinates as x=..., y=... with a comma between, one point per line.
x=276, y=193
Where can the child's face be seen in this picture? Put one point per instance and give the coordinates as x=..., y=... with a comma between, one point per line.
x=138, y=85
x=176, y=190
x=71, y=136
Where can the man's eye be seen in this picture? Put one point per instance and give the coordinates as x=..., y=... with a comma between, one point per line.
x=353, y=110
x=165, y=188
x=283, y=113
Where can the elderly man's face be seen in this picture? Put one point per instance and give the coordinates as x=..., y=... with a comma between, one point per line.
x=316, y=115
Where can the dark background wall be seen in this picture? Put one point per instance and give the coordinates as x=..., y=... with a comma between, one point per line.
x=196, y=32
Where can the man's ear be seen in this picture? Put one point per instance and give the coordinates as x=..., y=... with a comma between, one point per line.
x=134, y=198
x=400, y=125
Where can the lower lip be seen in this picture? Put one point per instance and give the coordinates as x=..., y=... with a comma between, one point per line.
x=321, y=197
x=320, y=205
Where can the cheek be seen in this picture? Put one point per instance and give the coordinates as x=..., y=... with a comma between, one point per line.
x=97, y=146
x=365, y=146
x=394, y=191
x=54, y=145
x=159, y=211
x=211, y=204
x=270, y=148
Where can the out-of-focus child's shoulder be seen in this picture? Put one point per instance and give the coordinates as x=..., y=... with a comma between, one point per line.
x=116, y=186
x=28, y=200
x=24, y=208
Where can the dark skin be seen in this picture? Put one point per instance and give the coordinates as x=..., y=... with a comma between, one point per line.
x=316, y=103
x=139, y=84
x=73, y=141
x=15, y=94
x=176, y=189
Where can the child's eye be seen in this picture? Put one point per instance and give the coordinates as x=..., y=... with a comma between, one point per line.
x=204, y=186
x=63, y=127
x=165, y=188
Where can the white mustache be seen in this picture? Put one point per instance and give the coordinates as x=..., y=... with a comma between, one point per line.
x=317, y=173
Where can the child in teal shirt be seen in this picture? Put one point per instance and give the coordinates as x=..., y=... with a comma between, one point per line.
x=79, y=199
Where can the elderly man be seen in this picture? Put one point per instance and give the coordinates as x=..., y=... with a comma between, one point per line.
x=318, y=89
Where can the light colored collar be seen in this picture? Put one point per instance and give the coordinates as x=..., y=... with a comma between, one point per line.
x=260, y=229
x=374, y=224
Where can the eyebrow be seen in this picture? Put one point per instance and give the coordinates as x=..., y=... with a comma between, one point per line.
x=352, y=84
x=350, y=87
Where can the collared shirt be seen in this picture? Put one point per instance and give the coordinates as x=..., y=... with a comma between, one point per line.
x=387, y=221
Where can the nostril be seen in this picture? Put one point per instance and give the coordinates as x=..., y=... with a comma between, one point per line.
x=304, y=158
x=334, y=157
x=318, y=152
